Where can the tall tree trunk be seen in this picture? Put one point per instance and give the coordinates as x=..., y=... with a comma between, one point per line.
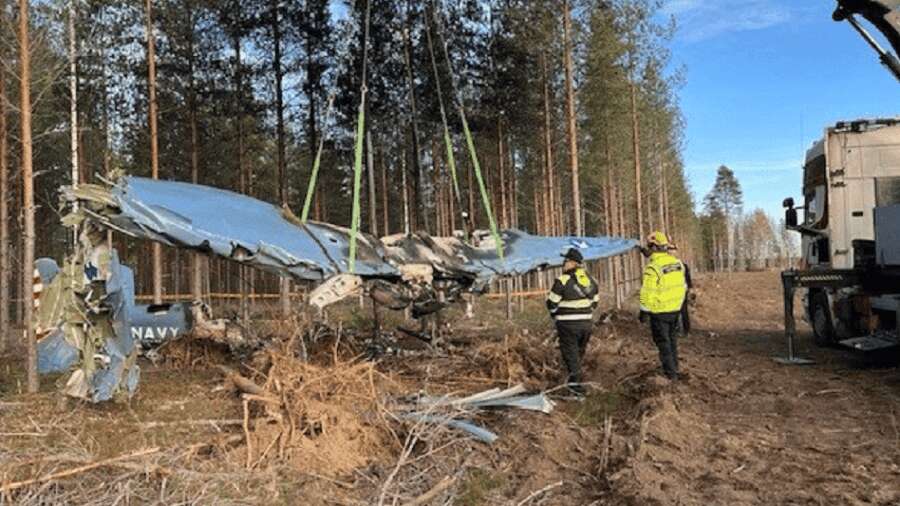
x=405, y=183
x=312, y=129
x=154, y=141
x=27, y=194
x=636, y=144
x=386, y=224
x=549, y=193
x=196, y=258
x=570, y=113
x=414, y=129
x=501, y=168
x=243, y=172
x=471, y=187
x=437, y=194
x=513, y=188
x=73, y=107
x=370, y=173
x=667, y=218
x=279, y=113
x=4, y=209
x=661, y=184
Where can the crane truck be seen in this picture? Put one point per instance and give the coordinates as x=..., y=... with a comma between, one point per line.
x=850, y=234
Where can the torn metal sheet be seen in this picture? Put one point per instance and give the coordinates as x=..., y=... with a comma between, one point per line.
x=452, y=257
x=509, y=398
x=478, y=432
x=55, y=354
x=538, y=402
x=431, y=409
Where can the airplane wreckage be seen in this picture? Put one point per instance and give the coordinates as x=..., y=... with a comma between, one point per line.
x=89, y=324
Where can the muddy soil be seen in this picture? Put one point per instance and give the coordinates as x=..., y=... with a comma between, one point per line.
x=740, y=429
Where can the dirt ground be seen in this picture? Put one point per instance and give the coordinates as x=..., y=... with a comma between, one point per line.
x=740, y=429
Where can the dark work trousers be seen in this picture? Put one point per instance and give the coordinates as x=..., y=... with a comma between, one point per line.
x=573, y=340
x=664, y=327
x=685, y=318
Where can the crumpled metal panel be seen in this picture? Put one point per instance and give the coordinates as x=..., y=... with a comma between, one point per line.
x=48, y=269
x=55, y=354
x=120, y=370
x=229, y=225
x=104, y=363
x=476, y=431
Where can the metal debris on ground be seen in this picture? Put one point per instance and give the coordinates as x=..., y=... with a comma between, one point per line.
x=451, y=411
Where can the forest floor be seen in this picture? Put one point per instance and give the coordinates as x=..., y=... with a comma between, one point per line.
x=740, y=429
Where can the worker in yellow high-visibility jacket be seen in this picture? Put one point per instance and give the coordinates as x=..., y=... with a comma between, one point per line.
x=662, y=297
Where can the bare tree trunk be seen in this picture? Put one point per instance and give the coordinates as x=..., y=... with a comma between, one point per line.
x=437, y=192
x=414, y=129
x=27, y=194
x=610, y=231
x=4, y=209
x=312, y=119
x=370, y=172
x=244, y=176
x=154, y=141
x=570, y=110
x=550, y=191
x=384, y=195
x=279, y=113
x=471, y=185
x=196, y=258
x=636, y=143
x=501, y=168
x=73, y=107
x=623, y=230
x=513, y=189
x=667, y=218
x=661, y=209
x=405, y=184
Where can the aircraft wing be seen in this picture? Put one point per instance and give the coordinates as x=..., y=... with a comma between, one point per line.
x=253, y=232
x=229, y=225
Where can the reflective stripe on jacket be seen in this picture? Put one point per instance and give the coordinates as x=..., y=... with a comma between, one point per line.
x=664, y=285
x=573, y=296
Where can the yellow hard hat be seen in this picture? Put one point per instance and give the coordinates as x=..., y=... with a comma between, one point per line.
x=657, y=239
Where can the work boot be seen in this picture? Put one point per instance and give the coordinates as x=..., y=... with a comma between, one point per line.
x=577, y=390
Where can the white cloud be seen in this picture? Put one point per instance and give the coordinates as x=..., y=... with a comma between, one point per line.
x=702, y=19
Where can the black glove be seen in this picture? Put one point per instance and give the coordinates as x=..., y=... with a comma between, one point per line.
x=642, y=316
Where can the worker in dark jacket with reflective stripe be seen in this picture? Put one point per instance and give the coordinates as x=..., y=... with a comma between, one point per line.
x=571, y=302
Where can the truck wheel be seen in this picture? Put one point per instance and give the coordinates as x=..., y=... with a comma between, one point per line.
x=823, y=328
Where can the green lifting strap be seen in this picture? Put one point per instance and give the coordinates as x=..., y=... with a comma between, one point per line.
x=498, y=242
x=485, y=200
x=357, y=178
x=448, y=143
x=311, y=189
x=360, y=134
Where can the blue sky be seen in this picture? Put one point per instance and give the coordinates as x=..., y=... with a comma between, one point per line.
x=764, y=78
